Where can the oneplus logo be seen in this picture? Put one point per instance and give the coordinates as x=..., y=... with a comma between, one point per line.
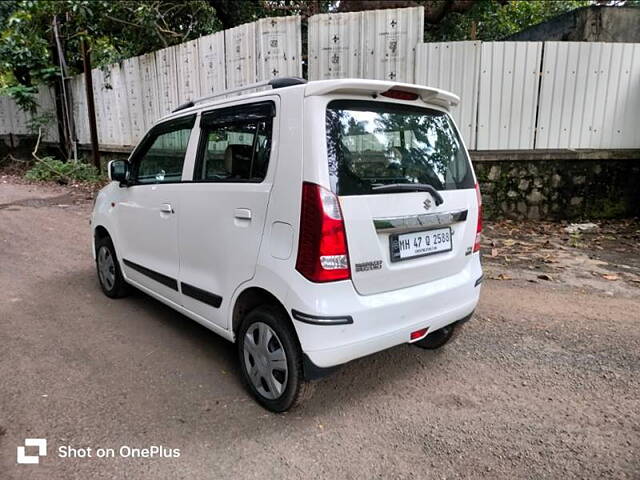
x=41, y=443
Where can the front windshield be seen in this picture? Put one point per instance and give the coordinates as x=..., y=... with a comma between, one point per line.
x=374, y=143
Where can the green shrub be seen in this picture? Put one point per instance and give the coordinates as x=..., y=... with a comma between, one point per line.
x=51, y=169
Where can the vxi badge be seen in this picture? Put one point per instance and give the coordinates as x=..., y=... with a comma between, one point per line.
x=368, y=266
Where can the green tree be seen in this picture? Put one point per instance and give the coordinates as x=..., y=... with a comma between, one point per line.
x=492, y=20
x=236, y=12
x=115, y=30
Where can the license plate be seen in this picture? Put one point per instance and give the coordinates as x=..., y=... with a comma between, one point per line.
x=419, y=244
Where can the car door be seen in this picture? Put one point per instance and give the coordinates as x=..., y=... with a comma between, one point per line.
x=149, y=207
x=227, y=204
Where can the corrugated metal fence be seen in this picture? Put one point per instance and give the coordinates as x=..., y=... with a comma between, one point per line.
x=514, y=95
x=132, y=95
x=378, y=44
x=535, y=95
x=16, y=121
x=589, y=96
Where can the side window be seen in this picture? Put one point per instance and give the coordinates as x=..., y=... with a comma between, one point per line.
x=235, y=148
x=163, y=158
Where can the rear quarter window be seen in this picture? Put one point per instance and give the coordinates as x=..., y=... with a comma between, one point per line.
x=376, y=143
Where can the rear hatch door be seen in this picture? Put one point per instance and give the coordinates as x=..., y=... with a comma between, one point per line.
x=385, y=161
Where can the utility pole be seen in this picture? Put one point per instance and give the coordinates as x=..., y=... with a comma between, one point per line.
x=67, y=131
x=91, y=108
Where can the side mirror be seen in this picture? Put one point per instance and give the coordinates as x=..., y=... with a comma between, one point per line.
x=118, y=171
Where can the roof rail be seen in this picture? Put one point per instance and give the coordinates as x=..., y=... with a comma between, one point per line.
x=280, y=82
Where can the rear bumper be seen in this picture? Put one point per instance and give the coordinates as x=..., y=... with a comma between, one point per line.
x=380, y=321
x=314, y=372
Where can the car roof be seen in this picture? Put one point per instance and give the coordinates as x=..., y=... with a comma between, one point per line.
x=349, y=86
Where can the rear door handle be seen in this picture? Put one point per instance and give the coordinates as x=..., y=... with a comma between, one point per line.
x=166, y=208
x=242, y=213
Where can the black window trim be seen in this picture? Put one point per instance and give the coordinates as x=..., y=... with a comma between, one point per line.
x=171, y=125
x=230, y=116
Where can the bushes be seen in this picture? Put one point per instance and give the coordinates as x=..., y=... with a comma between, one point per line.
x=52, y=169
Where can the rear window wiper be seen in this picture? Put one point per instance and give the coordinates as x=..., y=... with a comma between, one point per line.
x=409, y=187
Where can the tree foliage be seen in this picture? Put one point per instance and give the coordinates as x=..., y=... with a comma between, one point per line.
x=115, y=30
x=491, y=20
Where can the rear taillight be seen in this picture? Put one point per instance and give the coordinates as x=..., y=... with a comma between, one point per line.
x=476, y=245
x=322, y=248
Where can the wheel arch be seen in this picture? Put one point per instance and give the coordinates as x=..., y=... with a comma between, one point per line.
x=251, y=298
x=100, y=232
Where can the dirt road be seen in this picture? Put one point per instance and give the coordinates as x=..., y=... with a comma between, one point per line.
x=542, y=383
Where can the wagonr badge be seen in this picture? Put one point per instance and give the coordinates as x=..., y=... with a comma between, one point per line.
x=232, y=212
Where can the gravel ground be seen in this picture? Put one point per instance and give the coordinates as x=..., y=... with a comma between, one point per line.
x=542, y=383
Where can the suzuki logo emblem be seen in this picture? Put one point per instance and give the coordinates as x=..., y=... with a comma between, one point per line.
x=427, y=203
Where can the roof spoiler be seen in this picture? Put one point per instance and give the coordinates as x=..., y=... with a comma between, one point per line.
x=377, y=87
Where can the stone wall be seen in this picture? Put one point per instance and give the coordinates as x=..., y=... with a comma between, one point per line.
x=519, y=184
x=561, y=185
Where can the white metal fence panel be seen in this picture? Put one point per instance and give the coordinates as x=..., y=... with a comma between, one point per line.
x=389, y=43
x=110, y=108
x=509, y=79
x=188, y=79
x=6, y=126
x=589, y=96
x=149, y=86
x=104, y=129
x=453, y=66
x=20, y=120
x=335, y=46
x=378, y=44
x=121, y=106
x=134, y=98
x=278, y=48
x=166, y=69
x=240, y=55
x=80, y=114
x=212, y=63
x=47, y=113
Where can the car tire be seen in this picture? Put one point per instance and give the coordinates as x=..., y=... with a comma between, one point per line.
x=110, y=276
x=266, y=340
x=437, y=338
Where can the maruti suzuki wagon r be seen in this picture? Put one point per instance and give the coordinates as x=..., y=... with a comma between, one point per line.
x=310, y=223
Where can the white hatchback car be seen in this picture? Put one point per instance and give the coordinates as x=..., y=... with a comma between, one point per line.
x=311, y=223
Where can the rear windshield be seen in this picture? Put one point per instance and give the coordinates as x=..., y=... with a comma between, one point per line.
x=374, y=143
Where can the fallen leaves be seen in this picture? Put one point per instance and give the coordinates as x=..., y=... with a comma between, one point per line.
x=549, y=252
x=501, y=276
